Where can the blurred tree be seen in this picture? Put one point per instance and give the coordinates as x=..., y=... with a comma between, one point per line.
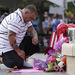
x=71, y=7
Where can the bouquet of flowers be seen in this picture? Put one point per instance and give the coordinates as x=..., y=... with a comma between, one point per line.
x=53, y=55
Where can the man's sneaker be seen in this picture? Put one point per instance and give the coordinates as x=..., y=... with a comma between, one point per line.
x=3, y=67
x=27, y=65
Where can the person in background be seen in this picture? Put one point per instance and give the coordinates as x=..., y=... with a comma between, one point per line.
x=55, y=21
x=36, y=23
x=46, y=23
x=71, y=19
x=15, y=45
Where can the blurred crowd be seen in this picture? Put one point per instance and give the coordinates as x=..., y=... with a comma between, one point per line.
x=71, y=19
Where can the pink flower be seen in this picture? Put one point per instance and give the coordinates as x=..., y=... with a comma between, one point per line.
x=52, y=58
x=67, y=40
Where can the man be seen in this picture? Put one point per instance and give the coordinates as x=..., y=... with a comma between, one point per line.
x=14, y=46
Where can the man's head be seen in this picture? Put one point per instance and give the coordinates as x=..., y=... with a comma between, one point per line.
x=29, y=13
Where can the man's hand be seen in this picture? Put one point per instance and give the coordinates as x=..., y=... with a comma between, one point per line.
x=21, y=53
x=34, y=35
x=35, y=40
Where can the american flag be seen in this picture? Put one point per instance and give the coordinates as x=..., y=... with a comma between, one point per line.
x=53, y=39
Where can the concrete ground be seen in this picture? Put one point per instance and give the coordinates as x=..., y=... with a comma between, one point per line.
x=4, y=69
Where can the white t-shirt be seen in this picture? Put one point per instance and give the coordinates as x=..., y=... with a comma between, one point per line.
x=15, y=23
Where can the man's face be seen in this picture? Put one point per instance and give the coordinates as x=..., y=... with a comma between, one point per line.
x=29, y=17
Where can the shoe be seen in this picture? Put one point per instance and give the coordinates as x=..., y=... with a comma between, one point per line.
x=3, y=67
x=27, y=65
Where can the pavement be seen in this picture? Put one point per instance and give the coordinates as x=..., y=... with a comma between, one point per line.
x=4, y=69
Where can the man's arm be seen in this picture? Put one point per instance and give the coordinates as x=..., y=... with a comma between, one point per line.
x=12, y=40
x=34, y=35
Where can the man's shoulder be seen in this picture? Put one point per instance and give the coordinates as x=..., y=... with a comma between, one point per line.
x=13, y=17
